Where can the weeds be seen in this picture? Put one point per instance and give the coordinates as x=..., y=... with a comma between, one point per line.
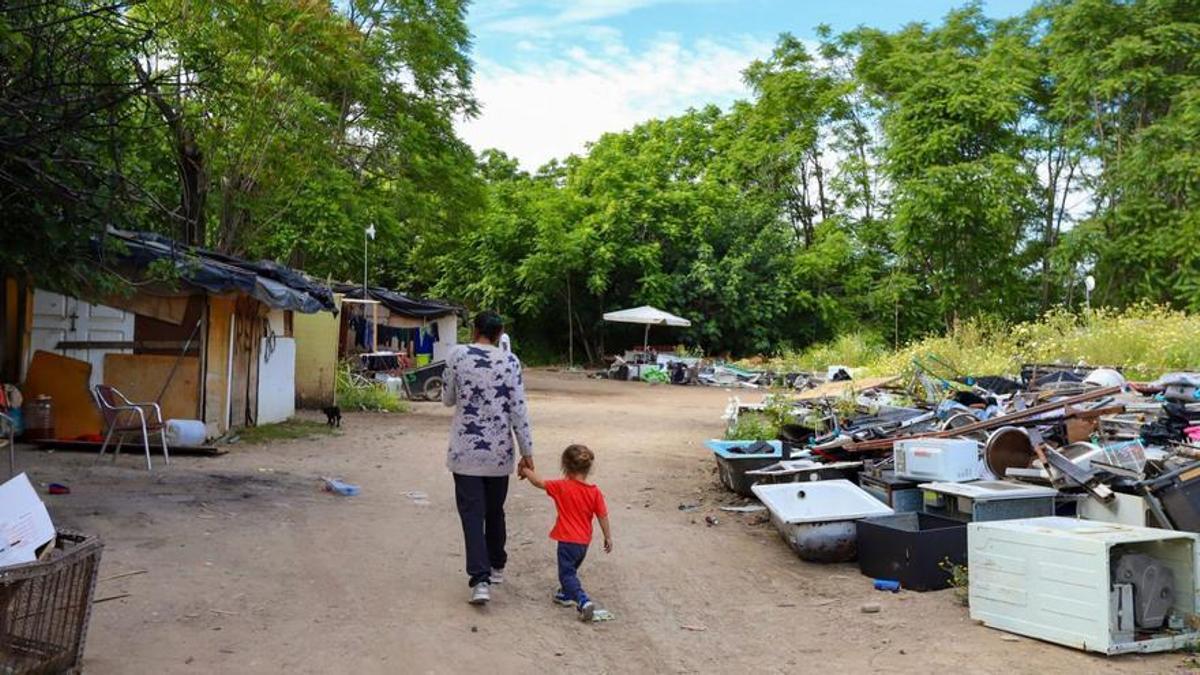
x=752, y=427
x=1146, y=340
x=284, y=431
x=356, y=394
x=959, y=580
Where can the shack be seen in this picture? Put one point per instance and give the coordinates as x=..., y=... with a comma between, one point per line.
x=398, y=324
x=207, y=335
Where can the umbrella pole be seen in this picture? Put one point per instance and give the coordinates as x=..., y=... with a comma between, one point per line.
x=646, y=339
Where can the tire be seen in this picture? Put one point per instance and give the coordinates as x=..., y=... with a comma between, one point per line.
x=432, y=391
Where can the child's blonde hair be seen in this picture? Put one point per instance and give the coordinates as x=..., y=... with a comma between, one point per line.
x=577, y=460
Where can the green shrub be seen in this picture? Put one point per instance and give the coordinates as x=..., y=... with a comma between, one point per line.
x=752, y=427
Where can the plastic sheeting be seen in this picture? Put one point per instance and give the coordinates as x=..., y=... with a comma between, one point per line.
x=270, y=283
x=398, y=303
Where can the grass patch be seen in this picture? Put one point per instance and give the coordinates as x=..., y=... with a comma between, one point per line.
x=284, y=431
x=355, y=394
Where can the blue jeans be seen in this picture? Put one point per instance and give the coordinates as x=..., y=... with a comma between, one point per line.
x=570, y=557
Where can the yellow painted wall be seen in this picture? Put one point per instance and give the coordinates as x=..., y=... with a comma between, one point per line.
x=316, y=357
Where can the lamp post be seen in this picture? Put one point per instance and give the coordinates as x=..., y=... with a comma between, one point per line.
x=369, y=232
x=1089, y=285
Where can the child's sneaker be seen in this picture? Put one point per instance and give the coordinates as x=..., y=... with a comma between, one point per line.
x=496, y=577
x=562, y=600
x=587, y=610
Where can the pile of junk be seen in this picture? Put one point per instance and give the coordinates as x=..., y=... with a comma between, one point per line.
x=1063, y=503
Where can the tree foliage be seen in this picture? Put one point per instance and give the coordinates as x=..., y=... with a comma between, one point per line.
x=891, y=183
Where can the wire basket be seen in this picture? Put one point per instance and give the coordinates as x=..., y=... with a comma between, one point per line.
x=45, y=607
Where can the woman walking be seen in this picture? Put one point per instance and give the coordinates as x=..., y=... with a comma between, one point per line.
x=485, y=386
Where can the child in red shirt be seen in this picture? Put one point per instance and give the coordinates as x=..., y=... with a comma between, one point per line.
x=577, y=502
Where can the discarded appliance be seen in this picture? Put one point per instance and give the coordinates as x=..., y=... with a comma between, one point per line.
x=1124, y=509
x=902, y=495
x=1179, y=493
x=988, y=500
x=733, y=462
x=1101, y=587
x=937, y=459
x=916, y=549
x=804, y=470
x=817, y=519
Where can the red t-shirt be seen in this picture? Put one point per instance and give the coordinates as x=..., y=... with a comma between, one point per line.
x=577, y=503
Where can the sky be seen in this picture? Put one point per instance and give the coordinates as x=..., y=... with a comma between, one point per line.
x=552, y=75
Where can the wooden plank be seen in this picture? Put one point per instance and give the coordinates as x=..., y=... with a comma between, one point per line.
x=841, y=388
x=65, y=380
x=94, y=446
x=126, y=344
x=140, y=377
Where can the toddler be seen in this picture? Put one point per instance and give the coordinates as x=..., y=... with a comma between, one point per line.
x=577, y=502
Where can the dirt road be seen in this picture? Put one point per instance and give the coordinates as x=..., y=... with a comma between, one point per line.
x=250, y=568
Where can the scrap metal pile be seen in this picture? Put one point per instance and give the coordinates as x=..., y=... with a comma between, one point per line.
x=984, y=472
x=1084, y=431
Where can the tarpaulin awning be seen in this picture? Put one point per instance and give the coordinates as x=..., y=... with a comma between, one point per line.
x=398, y=303
x=272, y=284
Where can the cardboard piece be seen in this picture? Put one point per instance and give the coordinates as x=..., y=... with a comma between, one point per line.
x=25, y=525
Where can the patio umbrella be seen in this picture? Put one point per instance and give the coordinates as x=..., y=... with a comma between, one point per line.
x=650, y=316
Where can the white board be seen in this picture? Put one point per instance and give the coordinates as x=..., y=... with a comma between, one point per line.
x=276, y=380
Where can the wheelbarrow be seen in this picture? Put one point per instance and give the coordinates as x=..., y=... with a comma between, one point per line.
x=424, y=382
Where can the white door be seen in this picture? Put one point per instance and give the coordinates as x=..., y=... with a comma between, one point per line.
x=276, y=380
x=60, y=318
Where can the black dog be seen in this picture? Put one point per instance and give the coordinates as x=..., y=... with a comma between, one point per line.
x=333, y=416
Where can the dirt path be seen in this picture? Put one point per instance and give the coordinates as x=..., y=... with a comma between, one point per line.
x=251, y=569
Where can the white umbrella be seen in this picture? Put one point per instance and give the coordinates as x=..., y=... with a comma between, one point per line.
x=650, y=316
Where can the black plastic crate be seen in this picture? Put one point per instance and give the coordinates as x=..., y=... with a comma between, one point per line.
x=45, y=607
x=912, y=548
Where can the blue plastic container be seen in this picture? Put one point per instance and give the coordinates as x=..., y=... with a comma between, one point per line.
x=732, y=466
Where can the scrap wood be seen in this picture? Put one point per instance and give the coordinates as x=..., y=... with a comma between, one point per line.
x=122, y=576
x=1002, y=420
x=695, y=629
x=111, y=597
x=842, y=387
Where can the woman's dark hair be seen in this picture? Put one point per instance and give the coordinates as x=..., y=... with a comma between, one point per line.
x=577, y=459
x=489, y=325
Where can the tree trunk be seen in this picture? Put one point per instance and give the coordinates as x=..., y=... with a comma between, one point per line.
x=189, y=163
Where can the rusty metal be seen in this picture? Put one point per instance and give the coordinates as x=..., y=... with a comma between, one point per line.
x=1008, y=448
x=1003, y=420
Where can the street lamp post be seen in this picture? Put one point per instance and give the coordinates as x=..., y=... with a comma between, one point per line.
x=369, y=232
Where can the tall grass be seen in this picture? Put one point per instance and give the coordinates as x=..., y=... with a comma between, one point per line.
x=1146, y=340
x=366, y=396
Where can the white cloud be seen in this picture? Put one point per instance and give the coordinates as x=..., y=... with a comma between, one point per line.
x=551, y=15
x=554, y=106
